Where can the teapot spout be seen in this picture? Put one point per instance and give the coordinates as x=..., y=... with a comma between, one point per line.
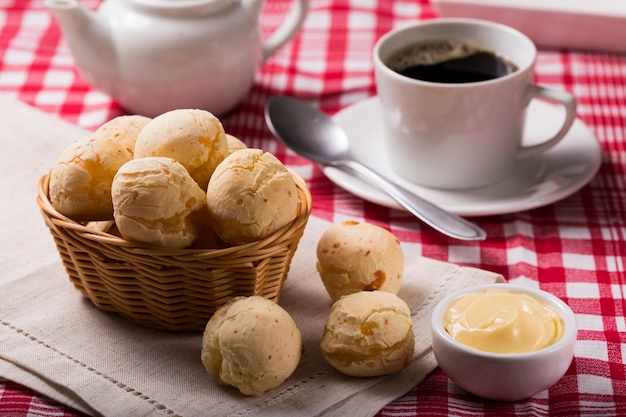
x=88, y=37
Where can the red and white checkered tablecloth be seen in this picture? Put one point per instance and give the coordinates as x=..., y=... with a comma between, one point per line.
x=575, y=248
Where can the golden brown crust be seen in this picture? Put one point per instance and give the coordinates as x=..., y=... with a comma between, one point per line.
x=252, y=344
x=251, y=195
x=369, y=333
x=353, y=256
x=195, y=138
x=156, y=202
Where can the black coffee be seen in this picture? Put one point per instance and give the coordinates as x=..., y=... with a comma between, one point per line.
x=450, y=61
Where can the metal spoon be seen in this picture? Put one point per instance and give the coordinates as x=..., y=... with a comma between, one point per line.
x=312, y=134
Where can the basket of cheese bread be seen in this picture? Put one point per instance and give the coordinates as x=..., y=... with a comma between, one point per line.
x=163, y=220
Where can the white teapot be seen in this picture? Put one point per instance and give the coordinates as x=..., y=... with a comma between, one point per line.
x=152, y=56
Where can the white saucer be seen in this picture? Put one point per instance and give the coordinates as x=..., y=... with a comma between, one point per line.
x=536, y=182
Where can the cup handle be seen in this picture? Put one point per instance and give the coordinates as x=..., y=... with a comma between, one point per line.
x=287, y=30
x=556, y=96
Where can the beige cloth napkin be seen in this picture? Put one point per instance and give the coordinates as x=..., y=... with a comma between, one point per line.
x=54, y=340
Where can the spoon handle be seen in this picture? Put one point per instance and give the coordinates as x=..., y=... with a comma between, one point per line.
x=439, y=219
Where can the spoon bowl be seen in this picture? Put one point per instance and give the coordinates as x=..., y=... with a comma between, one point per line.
x=312, y=134
x=307, y=131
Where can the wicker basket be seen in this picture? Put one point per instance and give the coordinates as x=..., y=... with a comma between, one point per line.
x=175, y=290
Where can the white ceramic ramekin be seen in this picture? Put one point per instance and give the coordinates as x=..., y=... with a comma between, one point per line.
x=497, y=376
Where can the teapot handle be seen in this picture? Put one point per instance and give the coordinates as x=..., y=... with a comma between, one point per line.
x=287, y=30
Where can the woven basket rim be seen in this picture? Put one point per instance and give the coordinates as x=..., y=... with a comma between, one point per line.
x=303, y=212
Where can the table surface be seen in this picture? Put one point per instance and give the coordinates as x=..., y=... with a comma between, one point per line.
x=574, y=248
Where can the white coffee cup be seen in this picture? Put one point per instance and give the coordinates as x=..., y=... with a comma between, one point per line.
x=461, y=135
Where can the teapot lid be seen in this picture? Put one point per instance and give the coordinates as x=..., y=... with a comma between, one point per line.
x=210, y=6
